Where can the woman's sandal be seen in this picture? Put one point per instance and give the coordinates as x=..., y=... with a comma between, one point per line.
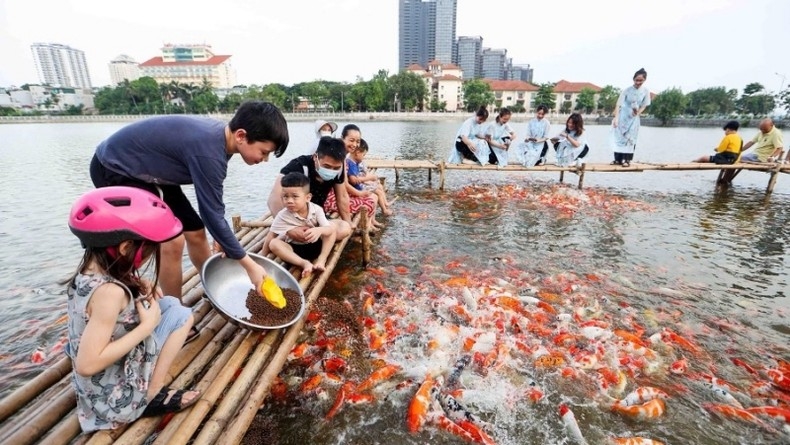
x=614, y=163
x=165, y=402
x=626, y=164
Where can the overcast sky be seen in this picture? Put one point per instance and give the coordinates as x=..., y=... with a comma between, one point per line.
x=684, y=43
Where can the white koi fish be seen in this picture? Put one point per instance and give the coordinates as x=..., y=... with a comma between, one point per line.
x=571, y=427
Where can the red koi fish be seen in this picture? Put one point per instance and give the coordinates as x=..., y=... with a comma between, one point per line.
x=779, y=378
x=671, y=337
x=735, y=413
x=642, y=395
x=451, y=427
x=679, y=366
x=418, y=408
x=649, y=410
x=38, y=355
x=340, y=399
x=477, y=433
x=378, y=376
x=777, y=412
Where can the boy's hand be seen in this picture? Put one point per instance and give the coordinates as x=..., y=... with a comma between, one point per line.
x=298, y=234
x=313, y=234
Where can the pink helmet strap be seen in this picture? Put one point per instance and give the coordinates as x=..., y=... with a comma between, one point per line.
x=138, y=255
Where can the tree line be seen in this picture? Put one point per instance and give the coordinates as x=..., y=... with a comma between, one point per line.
x=407, y=91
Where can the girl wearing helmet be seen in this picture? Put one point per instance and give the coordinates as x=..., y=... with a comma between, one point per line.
x=123, y=334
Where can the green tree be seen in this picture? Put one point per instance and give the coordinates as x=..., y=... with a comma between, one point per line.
x=714, y=100
x=8, y=111
x=437, y=105
x=545, y=96
x=668, y=104
x=410, y=88
x=565, y=106
x=755, y=100
x=784, y=99
x=276, y=94
x=586, y=100
x=477, y=94
x=607, y=99
x=518, y=107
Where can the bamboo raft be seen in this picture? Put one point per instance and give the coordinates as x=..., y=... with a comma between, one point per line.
x=726, y=172
x=232, y=367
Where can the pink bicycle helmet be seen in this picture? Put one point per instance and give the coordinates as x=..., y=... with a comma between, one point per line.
x=110, y=215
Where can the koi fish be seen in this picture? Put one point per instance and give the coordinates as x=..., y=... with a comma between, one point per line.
x=453, y=408
x=418, y=408
x=38, y=355
x=451, y=427
x=340, y=399
x=776, y=412
x=671, y=337
x=641, y=395
x=725, y=395
x=779, y=378
x=458, y=368
x=634, y=441
x=311, y=383
x=649, y=410
x=679, y=366
x=477, y=433
x=735, y=413
x=378, y=376
x=571, y=427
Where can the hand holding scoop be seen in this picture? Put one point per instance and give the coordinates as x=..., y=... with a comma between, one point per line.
x=272, y=292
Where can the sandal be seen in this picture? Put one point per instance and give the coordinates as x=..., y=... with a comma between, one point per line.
x=626, y=164
x=614, y=163
x=168, y=400
x=192, y=336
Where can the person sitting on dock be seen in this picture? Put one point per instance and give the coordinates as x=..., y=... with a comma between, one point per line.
x=123, y=334
x=360, y=179
x=470, y=141
x=571, y=144
x=768, y=144
x=499, y=136
x=536, y=143
x=325, y=170
x=729, y=148
x=301, y=214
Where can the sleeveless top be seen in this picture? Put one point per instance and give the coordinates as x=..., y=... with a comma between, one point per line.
x=116, y=395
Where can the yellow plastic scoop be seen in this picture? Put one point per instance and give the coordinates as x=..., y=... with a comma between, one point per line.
x=272, y=292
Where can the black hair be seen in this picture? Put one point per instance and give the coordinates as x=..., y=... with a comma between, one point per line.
x=732, y=125
x=329, y=146
x=503, y=112
x=542, y=107
x=642, y=72
x=482, y=112
x=363, y=145
x=263, y=122
x=350, y=127
x=295, y=179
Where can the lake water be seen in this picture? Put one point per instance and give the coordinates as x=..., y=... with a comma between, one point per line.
x=679, y=255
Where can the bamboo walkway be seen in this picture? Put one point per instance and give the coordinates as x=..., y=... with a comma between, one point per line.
x=726, y=172
x=232, y=367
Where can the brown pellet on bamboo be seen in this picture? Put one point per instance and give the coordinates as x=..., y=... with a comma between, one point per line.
x=265, y=314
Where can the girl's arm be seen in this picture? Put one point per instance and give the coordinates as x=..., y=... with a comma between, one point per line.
x=97, y=350
x=572, y=141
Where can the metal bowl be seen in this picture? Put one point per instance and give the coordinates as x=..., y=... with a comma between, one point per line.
x=226, y=284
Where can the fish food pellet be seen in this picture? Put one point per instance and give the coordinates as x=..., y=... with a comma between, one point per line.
x=265, y=314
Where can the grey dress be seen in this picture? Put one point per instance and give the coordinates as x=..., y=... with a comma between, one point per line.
x=116, y=395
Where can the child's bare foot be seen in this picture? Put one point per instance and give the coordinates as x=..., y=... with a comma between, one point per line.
x=319, y=266
x=377, y=224
x=307, y=268
x=386, y=211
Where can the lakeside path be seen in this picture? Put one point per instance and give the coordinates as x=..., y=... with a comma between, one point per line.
x=392, y=117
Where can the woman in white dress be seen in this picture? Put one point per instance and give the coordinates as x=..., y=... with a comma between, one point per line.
x=535, y=145
x=470, y=141
x=632, y=102
x=571, y=144
x=499, y=136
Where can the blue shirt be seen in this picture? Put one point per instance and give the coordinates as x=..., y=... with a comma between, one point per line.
x=178, y=150
x=353, y=170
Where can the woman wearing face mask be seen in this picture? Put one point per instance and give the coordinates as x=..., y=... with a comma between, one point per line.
x=325, y=169
x=351, y=135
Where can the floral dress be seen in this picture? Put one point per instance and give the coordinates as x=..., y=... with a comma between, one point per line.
x=117, y=394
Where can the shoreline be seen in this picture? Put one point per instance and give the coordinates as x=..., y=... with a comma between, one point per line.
x=393, y=117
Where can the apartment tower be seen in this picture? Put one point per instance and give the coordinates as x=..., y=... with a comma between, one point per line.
x=60, y=65
x=426, y=32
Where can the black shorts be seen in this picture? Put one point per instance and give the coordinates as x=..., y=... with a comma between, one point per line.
x=172, y=195
x=308, y=251
x=725, y=157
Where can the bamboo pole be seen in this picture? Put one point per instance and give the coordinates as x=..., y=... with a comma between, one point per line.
x=230, y=402
x=30, y=390
x=581, y=175
x=236, y=430
x=236, y=220
x=562, y=175
x=363, y=220
x=50, y=415
x=33, y=411
x=441, y=175
x=397, y=176
x=429, y=174
x=64, y=432
x=772, y=181
x=217, y=365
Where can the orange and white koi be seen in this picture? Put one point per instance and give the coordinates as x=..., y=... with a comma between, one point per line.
x=445, y=423
x=641, y=395
x=672, y=337
x=776, y=412
x=735, y=413
x=649, y=410
x=477, y=433
x=419, y=405
x=779, y=378
x=571, y=426
x=634, y=441
x=378, y=376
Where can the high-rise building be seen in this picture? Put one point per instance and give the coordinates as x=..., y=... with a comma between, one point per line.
x=519, y=72
x=494, y=63
x=190, y=64
x=426, y=31
x=123, y=68
x=469, y=52
x=60, y=65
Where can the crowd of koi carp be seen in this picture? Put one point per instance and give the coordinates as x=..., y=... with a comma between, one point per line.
x=442, y=342
x=475, y=358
